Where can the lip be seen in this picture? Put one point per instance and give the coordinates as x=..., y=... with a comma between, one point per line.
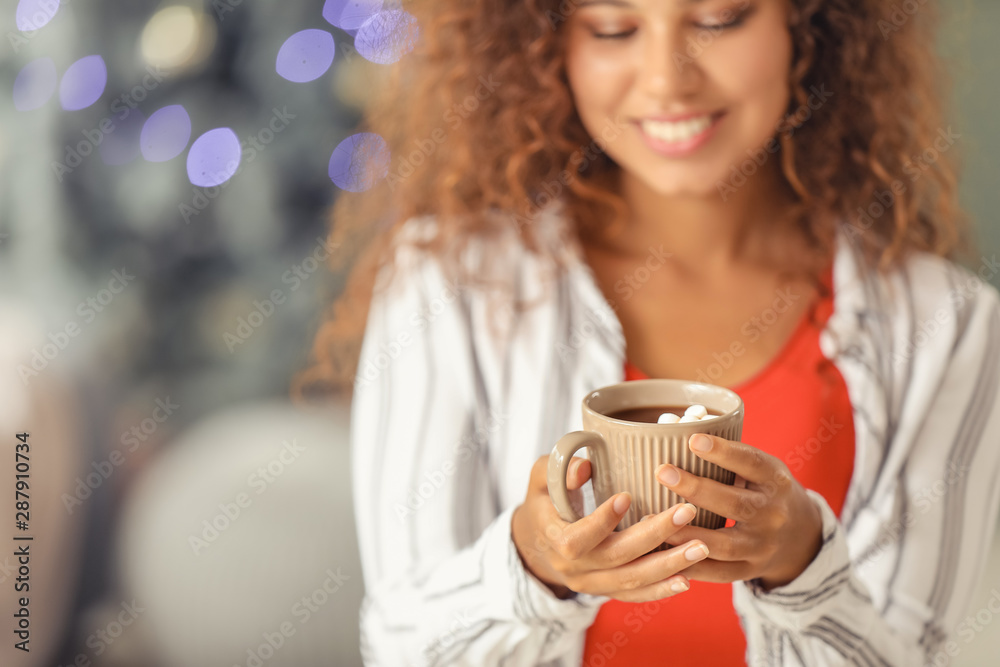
x=680, y=148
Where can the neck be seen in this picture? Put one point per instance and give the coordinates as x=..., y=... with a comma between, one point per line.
x=703, y=232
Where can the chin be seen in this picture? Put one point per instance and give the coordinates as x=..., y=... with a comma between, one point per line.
x=683, y=182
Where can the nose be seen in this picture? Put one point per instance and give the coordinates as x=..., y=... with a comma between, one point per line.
x=669, y=70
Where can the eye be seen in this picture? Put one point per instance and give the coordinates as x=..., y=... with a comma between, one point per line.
x=616, y=35
x=734, y=22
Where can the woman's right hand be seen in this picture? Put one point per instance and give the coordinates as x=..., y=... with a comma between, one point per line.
x=588, y=556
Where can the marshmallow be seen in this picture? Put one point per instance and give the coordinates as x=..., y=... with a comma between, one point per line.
x=697, y=411
x=668, y=418
x=707, y=417
x=687, y=419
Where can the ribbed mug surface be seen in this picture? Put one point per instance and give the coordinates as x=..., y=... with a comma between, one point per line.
x=634, y=450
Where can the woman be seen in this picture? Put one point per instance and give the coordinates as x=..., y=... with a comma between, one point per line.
x=754, y=193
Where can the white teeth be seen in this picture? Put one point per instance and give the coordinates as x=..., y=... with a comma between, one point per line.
x=674, y=132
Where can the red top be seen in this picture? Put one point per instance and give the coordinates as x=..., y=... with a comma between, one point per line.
x=796, y=408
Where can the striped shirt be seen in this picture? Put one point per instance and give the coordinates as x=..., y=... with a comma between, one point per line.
x=458, y=393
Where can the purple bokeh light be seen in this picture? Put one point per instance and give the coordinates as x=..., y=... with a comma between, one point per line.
x=35, y=84
x=35, y=14
x=306, y=55
x=359, y=162
x=166, y=134
x=83, y=83
x=350, y=14
x=121, y=145
x=387, y=36
x=214, y=158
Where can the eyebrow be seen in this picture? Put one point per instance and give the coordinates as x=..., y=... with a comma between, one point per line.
x=625, y=3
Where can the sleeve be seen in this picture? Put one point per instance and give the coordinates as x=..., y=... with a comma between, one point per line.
x=444, y=582
x=895, y=588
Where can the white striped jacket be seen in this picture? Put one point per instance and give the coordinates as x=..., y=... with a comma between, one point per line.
x=452, y=408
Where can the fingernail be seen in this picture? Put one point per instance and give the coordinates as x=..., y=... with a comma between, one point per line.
x=701, y=443
x=574, y=467
x=679, y=586
x=621, y=503
x=684, y=514
x=669, y=475
x=696, y=552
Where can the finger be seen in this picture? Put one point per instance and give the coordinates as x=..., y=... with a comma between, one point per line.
x=725, y=544
x=660, y=590
x=720, y=572
x=638, y=540
x=748, y=462
x=575, y=540
x=642, y=571
x=578, y=473
x=538, y=481
x=723, y=499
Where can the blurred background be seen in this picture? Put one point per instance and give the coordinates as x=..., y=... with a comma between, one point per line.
x=166, y=169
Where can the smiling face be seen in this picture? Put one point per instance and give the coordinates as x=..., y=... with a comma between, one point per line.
x=695, y=84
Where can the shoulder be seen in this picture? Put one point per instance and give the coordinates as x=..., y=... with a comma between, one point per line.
x=493, y=259
x=919, y=311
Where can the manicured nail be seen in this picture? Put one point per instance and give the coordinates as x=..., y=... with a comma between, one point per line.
x=574, y=468
x=621, y=503
x=679, y=586
x=696, y=552
x=684, y=514
x=669, y=475
x=701, y=443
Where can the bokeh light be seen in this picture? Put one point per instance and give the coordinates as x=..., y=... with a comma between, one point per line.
x=35, y=84
x=214, y=158
x=83, y=83
x=306, y=55
x=350, y=14
x=34, y=14
x=166, y=134
x=359, y=162
x=177, y=37
x=121, y=145
x=387, y=36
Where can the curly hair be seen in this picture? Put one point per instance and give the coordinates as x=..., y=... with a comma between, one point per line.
x=480, y=118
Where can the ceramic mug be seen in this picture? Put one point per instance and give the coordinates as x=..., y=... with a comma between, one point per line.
x=624, y=455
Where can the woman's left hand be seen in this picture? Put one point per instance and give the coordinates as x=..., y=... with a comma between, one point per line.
x=778, y=531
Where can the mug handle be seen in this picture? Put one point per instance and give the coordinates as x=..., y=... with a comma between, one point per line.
x=559, y=460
